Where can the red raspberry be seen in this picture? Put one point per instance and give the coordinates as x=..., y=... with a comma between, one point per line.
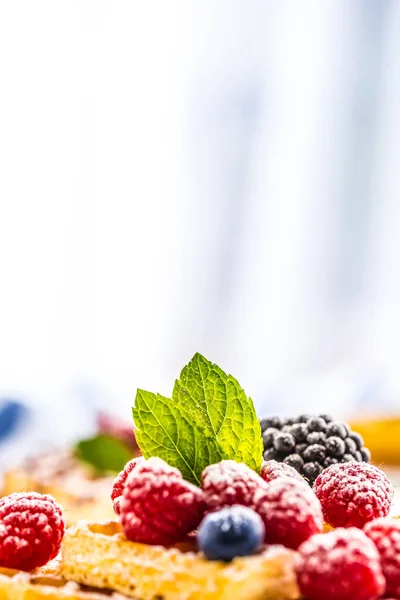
x=339, y=565
x=353, y=493
x=158, y=506
x=227, y=483
x=31, y=530
x=290, y=511
x=272, y=469
x=119, y=483
x=385, y=533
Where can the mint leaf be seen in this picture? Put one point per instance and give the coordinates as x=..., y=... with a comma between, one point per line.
x=217, y=401
x=209, y=418
x=166, y=431
x=104, y=453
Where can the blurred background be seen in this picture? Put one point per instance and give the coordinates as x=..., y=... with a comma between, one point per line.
x=202, y=175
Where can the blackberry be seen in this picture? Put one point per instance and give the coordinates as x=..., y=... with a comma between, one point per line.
x=299, y=431
x=300, y=448
x=284, y=442
x=316, y=424
x=316, y=437
x=311, y=470
x=335, y=446
x=365, y=454
x=295, y=461
x=351, y=446
x=269, y=436
x=311, y=443
x=274, y=422
x=315, y=453
x=356, y=437
x=336, y=429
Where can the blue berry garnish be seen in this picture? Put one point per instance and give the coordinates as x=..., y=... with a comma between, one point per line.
x=230, y=532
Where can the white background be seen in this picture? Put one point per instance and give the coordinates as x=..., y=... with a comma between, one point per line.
x=204, y=176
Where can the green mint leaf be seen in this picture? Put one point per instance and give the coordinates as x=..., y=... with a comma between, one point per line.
x=166, y=431
x=209, y=418
x=217, y=401
x=104, y=453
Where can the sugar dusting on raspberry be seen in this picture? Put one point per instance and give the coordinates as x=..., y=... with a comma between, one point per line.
x=272, y=469
x=119, y=483
x=290, y=511
x=351, y=494
x=340, y=565
x=158, y=506
x=228, y=483
x=31, y=529
x=385, y=533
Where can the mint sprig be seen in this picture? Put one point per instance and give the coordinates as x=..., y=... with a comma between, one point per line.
x=209, y=418
x=104, y=453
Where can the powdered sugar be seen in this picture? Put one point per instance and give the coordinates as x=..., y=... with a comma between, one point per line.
x=351, y=494
x=290, y=511
x=342, y=564
x=227, y=483
x=385, y=533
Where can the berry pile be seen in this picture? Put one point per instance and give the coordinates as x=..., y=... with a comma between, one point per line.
x=311, y=443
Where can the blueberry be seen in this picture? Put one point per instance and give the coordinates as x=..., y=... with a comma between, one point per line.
x=12, y=415
x=316, y=437
x=295, y=461
x=365, y=454
x=230, y=532
x=337, y=430
x=299, y=432
x=351, y=447
x=288, y=421
x=335, y=446
x=269, y=436
x=357, y=438
x=284, y=442
x=270, y=422
x=315, y=453
x=311, y=470
x=358, y=456
x=316, y=424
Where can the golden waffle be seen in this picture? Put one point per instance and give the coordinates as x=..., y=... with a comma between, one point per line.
x=80, y=494
x=98, y=555
x=46, y=584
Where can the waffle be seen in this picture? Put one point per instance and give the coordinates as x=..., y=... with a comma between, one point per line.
x=98, y=555
x=81, y=495
x=46, y=584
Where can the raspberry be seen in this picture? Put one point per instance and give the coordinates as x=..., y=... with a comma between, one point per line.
x=119, y=483
x=272, y=469
x=158, y=506
x=351, y=494
x=290, y=511
x=339, y=565
x=31, y=530
x=228, y=483
x=385, y=533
